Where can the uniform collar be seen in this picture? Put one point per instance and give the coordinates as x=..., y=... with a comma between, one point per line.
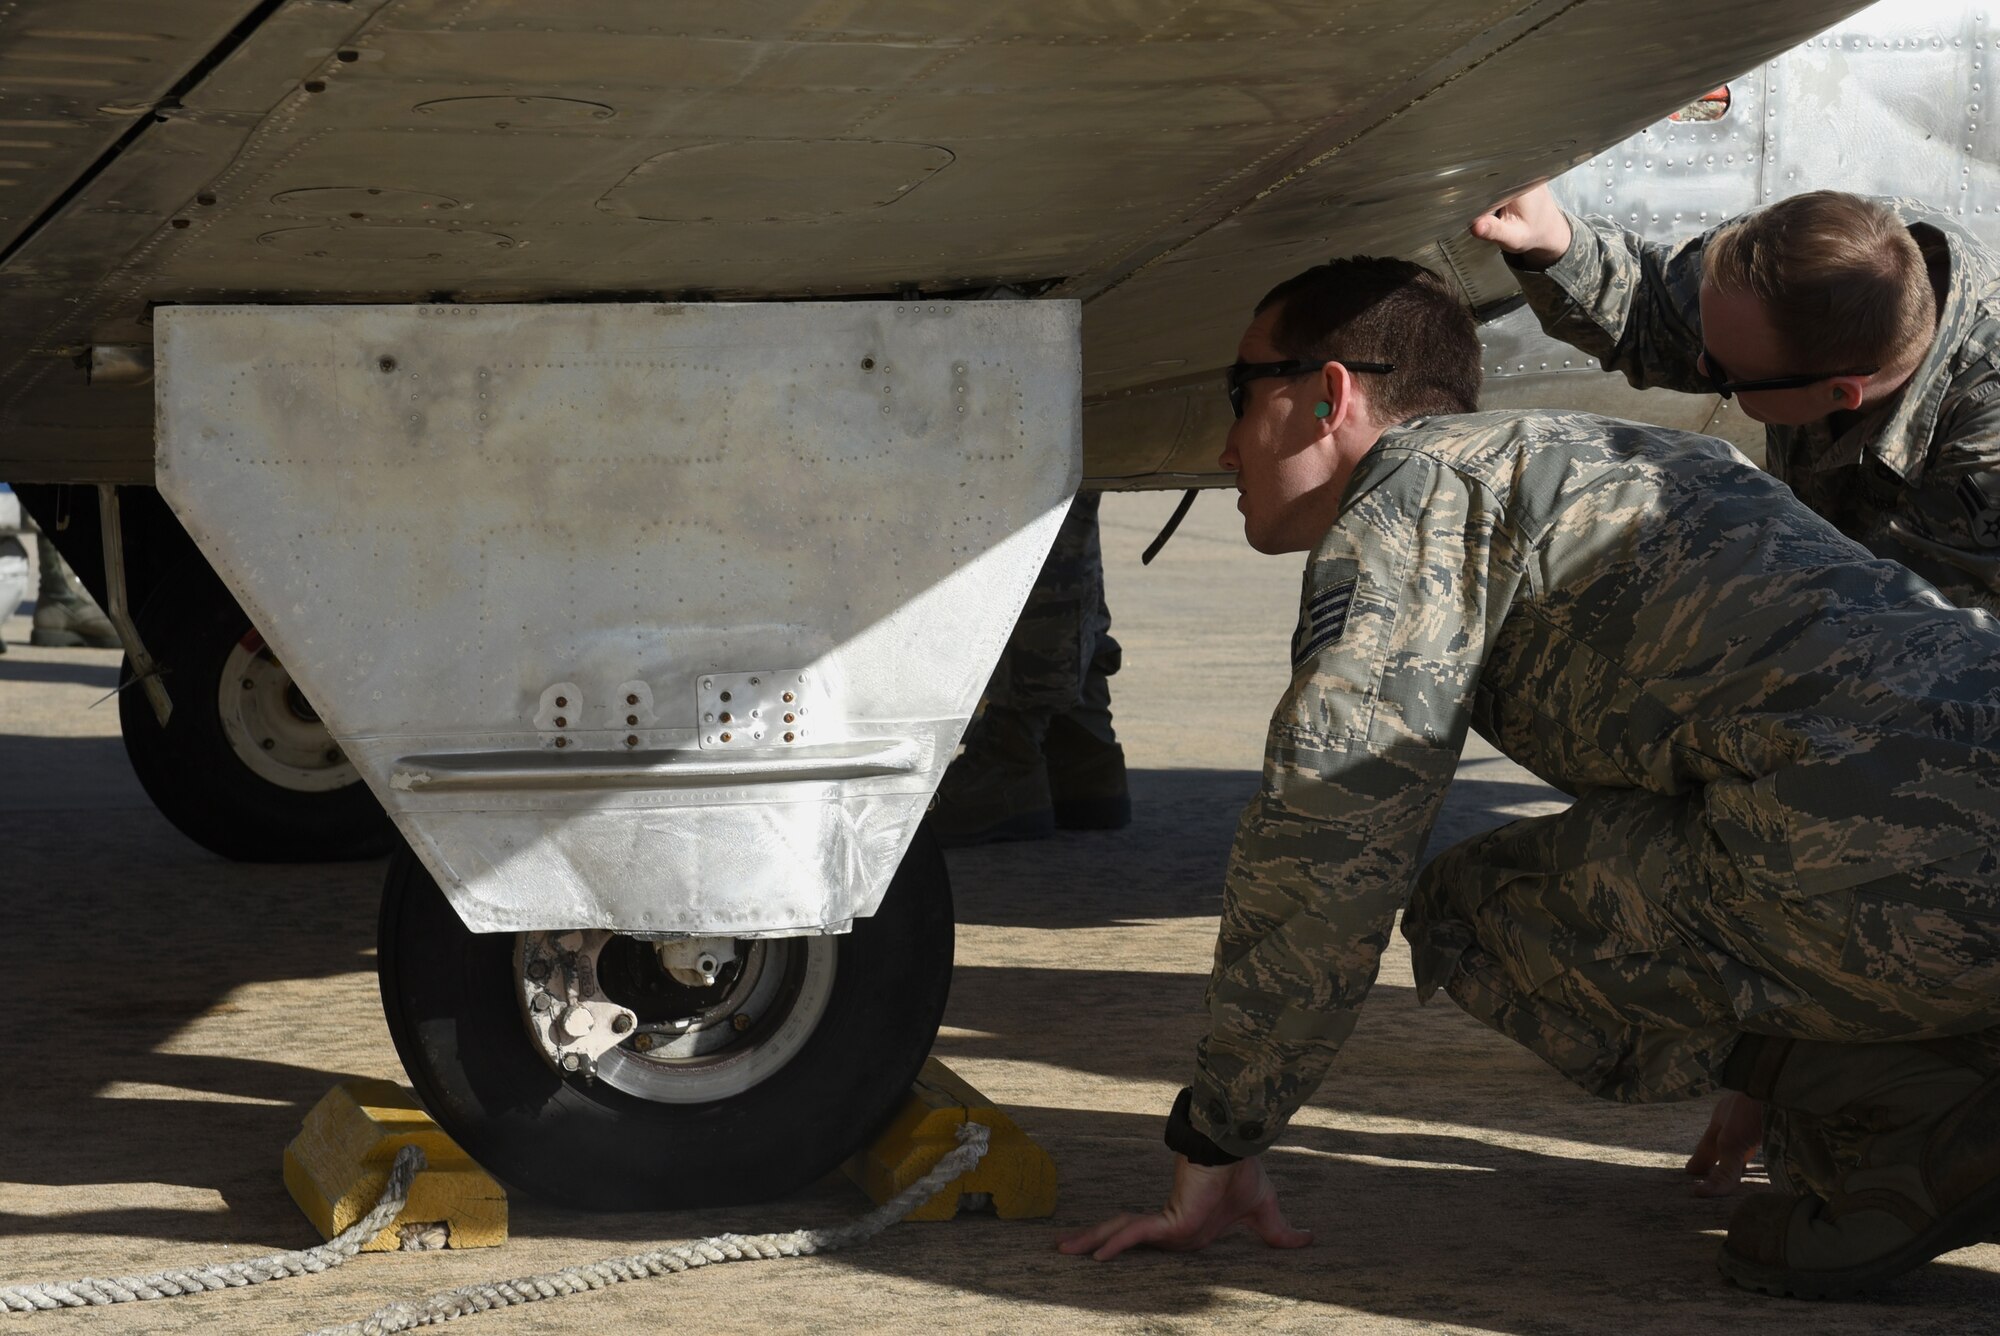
x=1897, y=435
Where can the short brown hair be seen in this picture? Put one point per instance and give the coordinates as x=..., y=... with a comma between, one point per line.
x=1371, y=309
x=1840, y=276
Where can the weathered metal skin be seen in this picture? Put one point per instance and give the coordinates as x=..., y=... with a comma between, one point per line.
x=1163, y=162
x=1889, y=103
x=509, y=546
x=655, y=618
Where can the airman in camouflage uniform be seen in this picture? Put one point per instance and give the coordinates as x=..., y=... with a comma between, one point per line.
x=1786, y=758
x=1043, y=753
x=1785, y=755
x=1915, y=478
x=1908, y=464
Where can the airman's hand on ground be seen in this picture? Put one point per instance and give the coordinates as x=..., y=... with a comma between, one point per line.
x=1531, y=226
x=1735, y=1135
x=1206, y=1204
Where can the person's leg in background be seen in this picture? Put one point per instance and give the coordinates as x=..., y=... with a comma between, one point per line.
x=65, y=616
x=1043, y=754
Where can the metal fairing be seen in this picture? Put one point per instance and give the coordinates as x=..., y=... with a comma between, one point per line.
x=1889, y=103
x=1162, y=161
x=519, y=556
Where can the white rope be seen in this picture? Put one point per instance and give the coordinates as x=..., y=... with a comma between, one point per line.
x=972, y=1138
x=90, y=1291
x=227, y=1275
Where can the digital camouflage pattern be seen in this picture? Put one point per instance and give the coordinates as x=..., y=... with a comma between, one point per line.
x=1916, y=480
x=1061, y=651
x=1786, y=755
x=1042, y=754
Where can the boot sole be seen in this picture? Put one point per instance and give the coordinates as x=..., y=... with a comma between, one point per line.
x=1961, y=1227
x=57, y=640
x=1094, y=813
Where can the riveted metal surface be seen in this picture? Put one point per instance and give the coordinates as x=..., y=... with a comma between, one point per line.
x=1898, y=99
x=1891, y=102
x=74, y=77
x=1672, y=179
x=543, y=540
x=772, y=708
x=1163, y=161
x=1411, y=176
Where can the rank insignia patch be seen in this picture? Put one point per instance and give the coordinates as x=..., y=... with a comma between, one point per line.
x=1983, y=509
x=1323, y=612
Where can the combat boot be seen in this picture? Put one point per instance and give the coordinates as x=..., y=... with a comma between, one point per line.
x=69, y=621
x=1085, y=763
x=1086, y=769
x=64, y=618
x=1922, y=1178
x=998, y=788
x=1801, y=1156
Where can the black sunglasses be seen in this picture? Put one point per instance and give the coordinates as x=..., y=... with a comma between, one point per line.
x=1718, y=379
x=1242, y=373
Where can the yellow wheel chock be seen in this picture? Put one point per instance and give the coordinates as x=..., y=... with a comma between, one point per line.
x=1016, y=1174
x=336, y=1166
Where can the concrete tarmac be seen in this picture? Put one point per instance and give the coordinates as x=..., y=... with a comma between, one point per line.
x=175, y=1016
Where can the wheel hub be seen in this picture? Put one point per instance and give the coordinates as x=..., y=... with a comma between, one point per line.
x=677, y=1022
x=271, y=726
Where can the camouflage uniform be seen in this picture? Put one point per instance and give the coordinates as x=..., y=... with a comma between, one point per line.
x=1916, y=479
x=1061, y=652
x=1783, y=753
x=1043, y=755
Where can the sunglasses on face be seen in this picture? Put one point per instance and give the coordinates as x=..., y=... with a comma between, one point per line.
x=1242, y=373
x=1718, y=379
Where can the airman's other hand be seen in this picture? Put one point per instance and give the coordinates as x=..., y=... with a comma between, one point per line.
x=1207, y=1202
x=1734, y=1137
x=1531, y=227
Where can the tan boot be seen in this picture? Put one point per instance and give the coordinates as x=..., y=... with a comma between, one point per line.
x=71, y=622
x=64, y=617
x=1923, y=1180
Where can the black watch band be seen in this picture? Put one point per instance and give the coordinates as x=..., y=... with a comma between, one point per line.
x=1184, y=1139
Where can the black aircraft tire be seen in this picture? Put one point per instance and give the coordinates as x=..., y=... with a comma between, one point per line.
x=192, y=772
x=454, y=1010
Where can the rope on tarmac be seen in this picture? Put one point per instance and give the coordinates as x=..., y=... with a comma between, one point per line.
x=972, y=1139
x=96, y=1290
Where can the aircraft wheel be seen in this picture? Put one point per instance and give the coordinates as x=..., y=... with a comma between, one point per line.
x=244, y=767
x=742, y=1084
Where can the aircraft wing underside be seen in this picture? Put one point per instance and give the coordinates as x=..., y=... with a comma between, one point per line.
x=1162, y=162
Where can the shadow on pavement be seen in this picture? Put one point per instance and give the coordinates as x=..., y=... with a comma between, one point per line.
x=1432, y=1228
x=122, y=937
x=1468, y=1186
x=99, y=670
x=1169, y=862
x=1404, y=1062
x=1429, y=1227
x=69, y=775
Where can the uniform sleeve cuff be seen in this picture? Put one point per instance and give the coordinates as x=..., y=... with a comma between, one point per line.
x=1576, y=270
x=1236, y=1132
x=1183, y=1138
